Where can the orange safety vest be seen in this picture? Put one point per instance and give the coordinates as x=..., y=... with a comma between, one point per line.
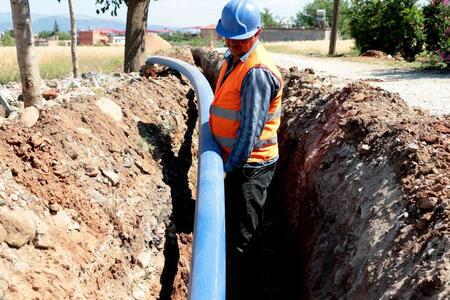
x=225, y=109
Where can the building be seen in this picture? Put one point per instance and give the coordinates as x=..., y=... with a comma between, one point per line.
x=116, y=40
x=94, y=37
x=52, y=41
x=209, y=33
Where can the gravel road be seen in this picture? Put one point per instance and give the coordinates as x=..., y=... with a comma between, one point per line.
x=425, y=89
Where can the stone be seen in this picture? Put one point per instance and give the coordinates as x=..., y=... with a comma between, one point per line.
x=74, y=226
x=7, y=175
x=21, y=267
x=364, y=148
x=427, y=203
x=4, y=102
x=13, y=115
x=3, y=113
x=52, y=83
x=412, y=147
x=91, y=170
x=138, y=293
x=62, y=220
x=144, y=258
x=54, y=208
x=19, y=225
x=127, y=162
x=143, y=166
x=88, y=75
x=2, y=234
x=112, y=176
x=29, y=116
x=50, y=94
x=110, y=108
x=60, y=170
x=42, y=241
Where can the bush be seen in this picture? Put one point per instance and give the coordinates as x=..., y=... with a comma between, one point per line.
x=391, y=26
x=437, y=28
x=307, y=16
x=8, y=38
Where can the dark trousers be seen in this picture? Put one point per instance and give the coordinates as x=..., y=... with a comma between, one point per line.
x=245, y=198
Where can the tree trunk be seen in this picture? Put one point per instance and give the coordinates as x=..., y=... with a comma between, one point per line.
x=334, y=28
x=26, y=58
x=73, y=45
x=135, y=35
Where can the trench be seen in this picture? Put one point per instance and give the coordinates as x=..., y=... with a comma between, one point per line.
x=344, y=217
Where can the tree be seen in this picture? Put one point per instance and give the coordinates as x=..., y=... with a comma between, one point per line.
x=437, y=28
x=307, y=16
x=334, y=27
x=268, y=19
x=55, y=28
x=73, y=34
x=28, y=66
x=62, y=35
x=73, y=44
x=137, y=15
x=8, y=38
x=391, y=26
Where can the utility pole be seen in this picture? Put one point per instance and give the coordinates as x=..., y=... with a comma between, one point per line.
x=334, y=28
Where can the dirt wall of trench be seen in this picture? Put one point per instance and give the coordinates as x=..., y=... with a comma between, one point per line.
x=96, y=196
x=364, y=186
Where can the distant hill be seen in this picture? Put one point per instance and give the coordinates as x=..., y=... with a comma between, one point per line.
x=83, y=23
x=46, y=23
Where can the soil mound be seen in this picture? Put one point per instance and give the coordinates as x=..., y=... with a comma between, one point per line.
x=374, y=53
x=155, y=43
x=96, y=196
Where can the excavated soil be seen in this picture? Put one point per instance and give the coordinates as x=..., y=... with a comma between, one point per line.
x=366, y=191
x=96, y=199
x=361, y=197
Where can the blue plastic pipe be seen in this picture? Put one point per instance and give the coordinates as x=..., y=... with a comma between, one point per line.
x=207, y=279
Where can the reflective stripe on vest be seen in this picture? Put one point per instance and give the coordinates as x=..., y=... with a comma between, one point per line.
x=229, y=142
x=236, y=115
x=225, y=111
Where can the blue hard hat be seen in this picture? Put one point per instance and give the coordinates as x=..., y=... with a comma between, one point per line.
x=240, y=20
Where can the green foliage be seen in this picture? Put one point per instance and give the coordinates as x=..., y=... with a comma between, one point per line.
x=437, y=28
x=391, y=26
x=112, y=5
x=307, y=17
x=63, y=36
x=184, y=39
x=8, y=38
x=55, y=28
x=45, y=34
x=268, y=19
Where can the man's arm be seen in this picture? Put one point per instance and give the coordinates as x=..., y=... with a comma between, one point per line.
x=259, y=87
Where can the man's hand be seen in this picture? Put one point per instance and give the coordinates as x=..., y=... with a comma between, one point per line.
x=224, y=175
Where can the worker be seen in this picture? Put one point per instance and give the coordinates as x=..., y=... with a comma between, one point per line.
x=244, y=119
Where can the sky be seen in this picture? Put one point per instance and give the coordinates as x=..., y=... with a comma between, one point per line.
x=179, y=13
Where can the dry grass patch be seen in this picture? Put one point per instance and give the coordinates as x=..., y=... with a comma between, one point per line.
x=317, y=48
x=56, y=62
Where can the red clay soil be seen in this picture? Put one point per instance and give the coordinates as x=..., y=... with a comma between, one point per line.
x=107, y=195
x=363, y=185
x=366, y=191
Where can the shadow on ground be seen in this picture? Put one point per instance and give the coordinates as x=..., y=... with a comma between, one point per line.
x=175, y=174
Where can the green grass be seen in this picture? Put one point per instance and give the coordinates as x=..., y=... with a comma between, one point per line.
x=56, y=62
